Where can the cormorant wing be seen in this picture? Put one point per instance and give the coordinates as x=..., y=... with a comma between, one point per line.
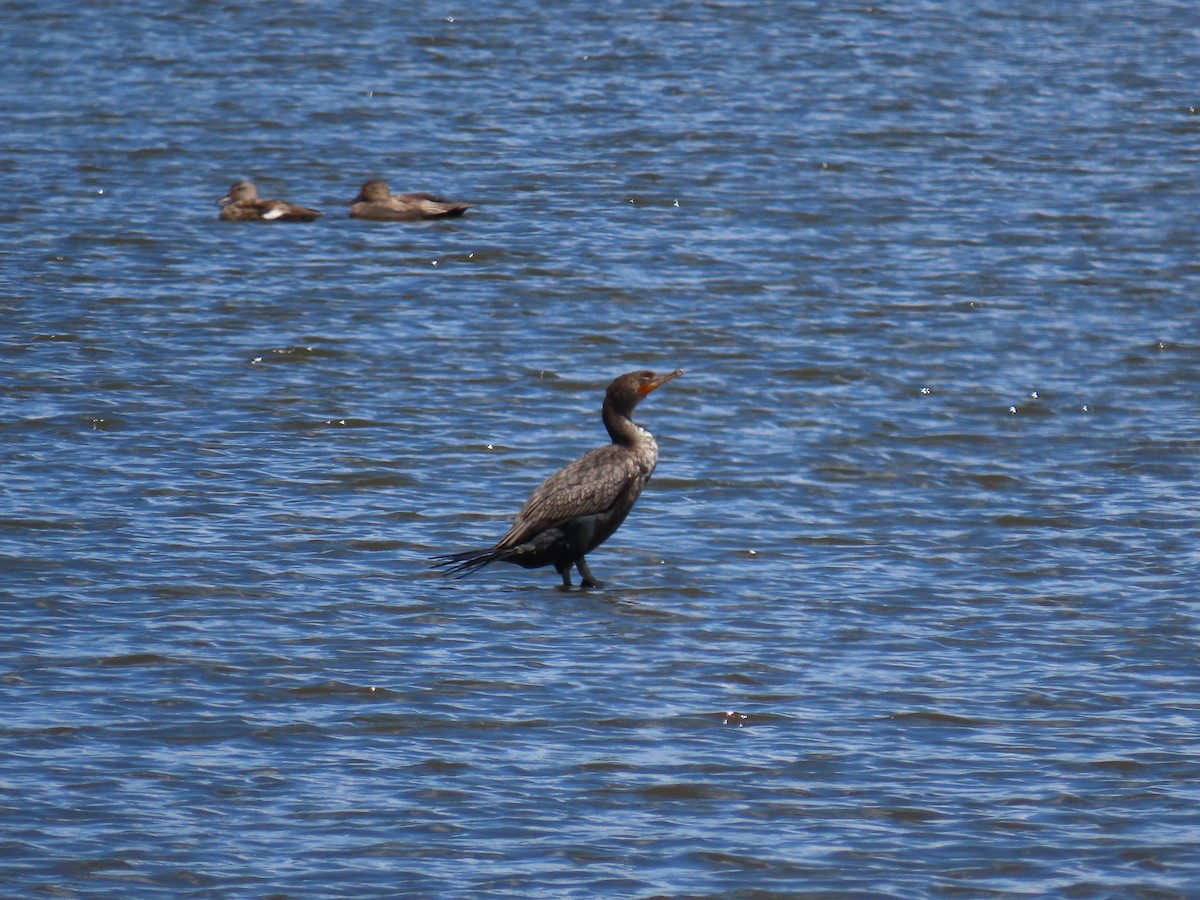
x=591, y=484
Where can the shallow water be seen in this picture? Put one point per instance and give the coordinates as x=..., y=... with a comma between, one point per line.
x=909, y=606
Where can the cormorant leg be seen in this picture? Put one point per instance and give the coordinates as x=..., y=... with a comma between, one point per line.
x=564, y=569
x=588, y=580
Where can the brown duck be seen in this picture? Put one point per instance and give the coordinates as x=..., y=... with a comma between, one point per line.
x=374, y=202
x=242, y=204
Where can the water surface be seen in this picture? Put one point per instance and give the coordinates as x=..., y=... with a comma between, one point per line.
x=909, y=606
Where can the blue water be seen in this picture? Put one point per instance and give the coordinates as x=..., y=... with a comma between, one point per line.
x=909, y=607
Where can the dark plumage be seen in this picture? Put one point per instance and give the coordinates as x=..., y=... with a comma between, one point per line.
x=374, y=202
x=242, y=204
x=578, y=507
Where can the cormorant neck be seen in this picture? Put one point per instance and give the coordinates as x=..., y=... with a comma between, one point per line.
x=620, y=426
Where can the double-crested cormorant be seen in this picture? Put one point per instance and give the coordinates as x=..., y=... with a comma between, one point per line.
x=576, y=509
x=242, y=204
x=375, y=202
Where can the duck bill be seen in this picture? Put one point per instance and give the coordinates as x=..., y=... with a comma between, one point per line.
x=658, y=382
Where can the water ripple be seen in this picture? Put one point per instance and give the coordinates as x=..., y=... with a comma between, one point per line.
x=906, y=608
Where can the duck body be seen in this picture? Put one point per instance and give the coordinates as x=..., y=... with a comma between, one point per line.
x=376, y=203
x=242, y=204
